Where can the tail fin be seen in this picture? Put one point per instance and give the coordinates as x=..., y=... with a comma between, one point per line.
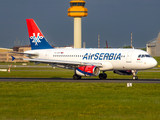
x=37, y=39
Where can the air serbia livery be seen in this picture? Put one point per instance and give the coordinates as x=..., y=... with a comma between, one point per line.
x=86, y=62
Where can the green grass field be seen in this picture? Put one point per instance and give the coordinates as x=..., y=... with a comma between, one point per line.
x=76, y=101
x=62, y=73
x=158, y=61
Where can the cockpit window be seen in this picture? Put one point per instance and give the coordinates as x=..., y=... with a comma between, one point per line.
x=147, y=55
x=139, y=56
x=142, y=56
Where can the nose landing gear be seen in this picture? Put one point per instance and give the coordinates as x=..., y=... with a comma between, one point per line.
x=76, y=77
x=134, y=74
x=135, y=78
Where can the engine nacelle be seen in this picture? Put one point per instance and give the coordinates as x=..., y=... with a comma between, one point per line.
x=123, y=72
x=87, y=71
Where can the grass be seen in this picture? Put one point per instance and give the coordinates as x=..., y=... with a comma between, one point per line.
x=158, y=61
x=62, y=73
x=70, y=101
x=20, y=63
x=25, y=72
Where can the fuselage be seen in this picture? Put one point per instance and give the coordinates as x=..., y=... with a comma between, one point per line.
x=111, y=59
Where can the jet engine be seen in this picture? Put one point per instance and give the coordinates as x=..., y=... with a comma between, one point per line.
x=87, y=70
x=123, y=72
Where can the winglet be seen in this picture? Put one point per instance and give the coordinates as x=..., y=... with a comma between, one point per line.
x=13, y=58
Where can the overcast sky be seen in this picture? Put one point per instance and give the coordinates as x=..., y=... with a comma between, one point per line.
x=114, y=20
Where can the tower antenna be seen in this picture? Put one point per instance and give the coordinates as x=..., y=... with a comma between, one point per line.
x=98, y=41
x=131, y=40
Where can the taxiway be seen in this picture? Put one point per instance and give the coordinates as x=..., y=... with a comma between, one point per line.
x=82, y=80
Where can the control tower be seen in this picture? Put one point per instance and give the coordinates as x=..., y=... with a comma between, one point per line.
x=77, y=10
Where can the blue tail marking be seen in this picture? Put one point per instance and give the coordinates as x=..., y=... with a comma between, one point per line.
x=13, y=58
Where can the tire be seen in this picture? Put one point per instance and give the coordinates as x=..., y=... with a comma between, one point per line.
x=102, y=76
x=76, y=77
x=135, y=78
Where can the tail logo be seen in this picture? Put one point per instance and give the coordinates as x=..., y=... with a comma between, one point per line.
x=35, y=39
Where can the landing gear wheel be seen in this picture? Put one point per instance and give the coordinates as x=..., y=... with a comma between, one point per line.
x=102, y=76
x=135, y=78
x=76, y=77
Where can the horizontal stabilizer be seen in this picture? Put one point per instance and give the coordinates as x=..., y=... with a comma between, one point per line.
x=13, y=58
x=30, y=55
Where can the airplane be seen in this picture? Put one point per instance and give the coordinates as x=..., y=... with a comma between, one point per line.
x=86, y=62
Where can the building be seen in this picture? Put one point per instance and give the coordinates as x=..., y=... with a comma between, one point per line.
x=5, y=50
x=153, y=46
x=77, y=10
x=5, y=55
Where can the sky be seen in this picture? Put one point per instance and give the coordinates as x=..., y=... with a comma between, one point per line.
x=114, y=20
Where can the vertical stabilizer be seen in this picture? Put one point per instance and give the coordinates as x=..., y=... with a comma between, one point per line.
x=37, y=39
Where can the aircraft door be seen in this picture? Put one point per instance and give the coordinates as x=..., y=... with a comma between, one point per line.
x=129, y=57
x=47, y=54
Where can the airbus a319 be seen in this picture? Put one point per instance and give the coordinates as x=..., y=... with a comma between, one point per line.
x=86, y=62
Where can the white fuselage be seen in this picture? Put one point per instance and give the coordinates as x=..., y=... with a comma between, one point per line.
x=110, y=59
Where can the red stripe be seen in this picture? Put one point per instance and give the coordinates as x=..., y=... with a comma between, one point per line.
x=33, y=28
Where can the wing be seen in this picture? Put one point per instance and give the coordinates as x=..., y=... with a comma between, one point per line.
x=63, y=64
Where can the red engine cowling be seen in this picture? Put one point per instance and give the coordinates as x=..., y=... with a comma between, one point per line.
x=123, y=72
x=87, y=71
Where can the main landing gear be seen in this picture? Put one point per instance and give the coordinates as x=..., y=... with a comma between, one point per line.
x=76, y=77
x=102, y=76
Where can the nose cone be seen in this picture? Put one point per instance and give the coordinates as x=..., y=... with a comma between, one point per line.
x=153, y=63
